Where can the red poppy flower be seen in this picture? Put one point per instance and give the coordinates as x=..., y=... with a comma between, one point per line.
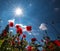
x=57, y=42
x=24, y=36
x=28, y=28
x=33, y=39
x=17, y=26
x=29, y=48
x=11, y=24
x=19, y=30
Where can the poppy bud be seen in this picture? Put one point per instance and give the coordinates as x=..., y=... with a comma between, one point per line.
x=24, y=36
x=51, y=46
x=33, y=39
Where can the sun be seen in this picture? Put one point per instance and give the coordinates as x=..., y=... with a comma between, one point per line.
x=19, y=11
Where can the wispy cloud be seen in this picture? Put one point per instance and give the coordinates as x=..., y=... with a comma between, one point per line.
x=12, y=20
x=43, y=26
x=11, y=30
x=21, y=25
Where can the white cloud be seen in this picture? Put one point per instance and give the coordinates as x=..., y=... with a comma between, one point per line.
x=24, y=29
x=11, y=30
x=33, y=33
x=43, y=26
x=23, y=26
x=17, y=24
x=29, y=33
x=12, y=20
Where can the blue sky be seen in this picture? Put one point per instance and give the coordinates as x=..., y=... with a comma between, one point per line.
x=35, y=12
